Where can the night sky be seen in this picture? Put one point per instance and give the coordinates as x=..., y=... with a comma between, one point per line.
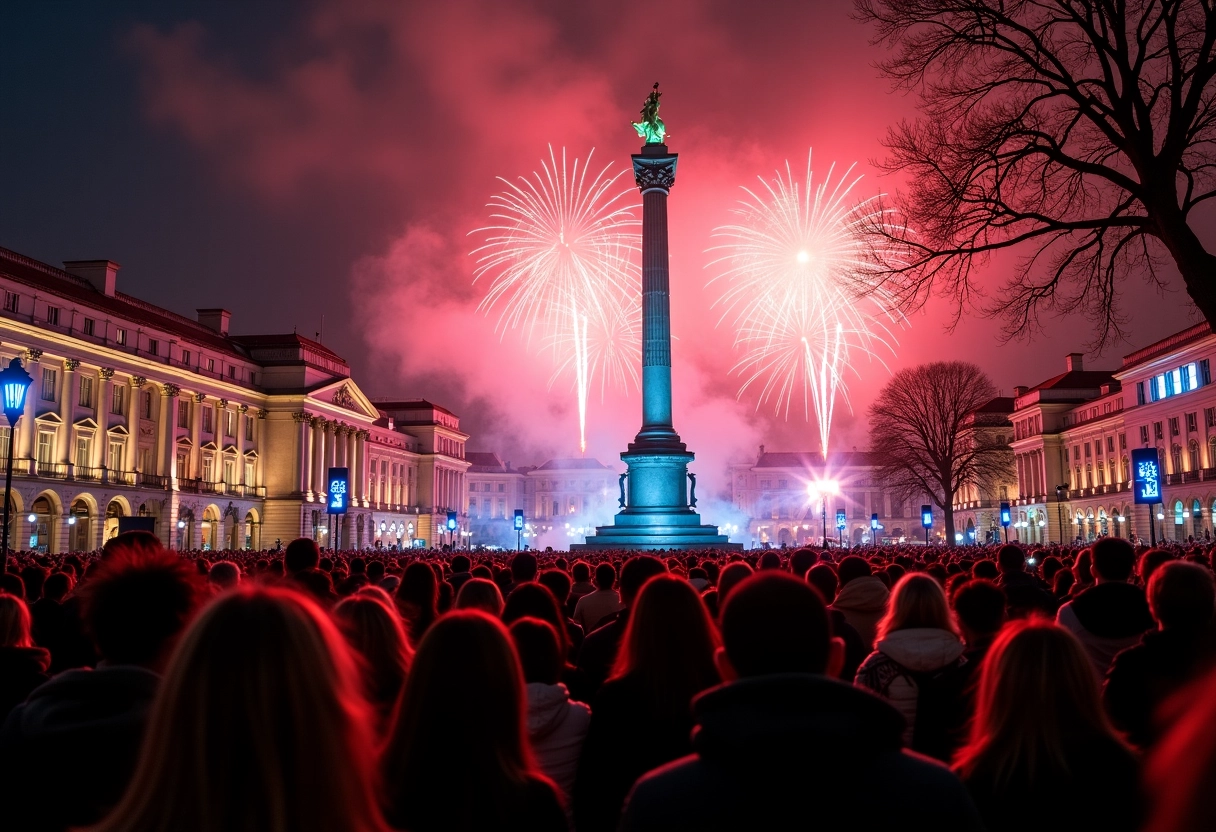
x=297, y=160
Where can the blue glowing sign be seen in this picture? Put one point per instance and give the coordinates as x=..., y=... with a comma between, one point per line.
x=519, y=519
x=926, y=516
x=840, y=519
x=1146, y=475
x=1006, y=515
x=339, y=490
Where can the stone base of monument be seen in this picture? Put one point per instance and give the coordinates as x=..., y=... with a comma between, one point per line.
x=658, y=515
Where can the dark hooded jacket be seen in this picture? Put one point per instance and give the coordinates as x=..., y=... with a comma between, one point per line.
x=1107, y=618
x=88, y=724
x=798, y=751
x=21, y=670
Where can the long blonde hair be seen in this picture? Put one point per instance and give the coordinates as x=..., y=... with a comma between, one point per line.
x=14, y=622
x=258, y=724
x=1037, y=701
x=917, y=601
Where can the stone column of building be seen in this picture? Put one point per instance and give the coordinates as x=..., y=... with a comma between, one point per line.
x=167, y=466
x=352, y=462
x=133, y=394
x=359, y=454
x=26, y=447
x=101, y=454
x=319, y=426
x=67, y=396
x=331, y=454
x=302, y=464
x=196, y=435
x=242, y=411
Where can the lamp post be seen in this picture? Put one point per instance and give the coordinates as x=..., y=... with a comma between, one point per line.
x=1060, y=490
x=873, y=529
x=14, y=382
x=819, y=490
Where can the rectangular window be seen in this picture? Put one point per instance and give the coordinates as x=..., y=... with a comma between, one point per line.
x=1192, y=376
x=5, y=438
x=185, y=356
x=207, y=420
x=1192, y=422
x=52, y=315
x=117, y=446
x=1144, y=434
x=183, y=413
x=208, y=468
x=230, y=423
x=183, y=464
x=86, y=392
x=84, y=452
x=120, y=337
x=1174, y=426
x=12, y=302
x=250, y=477
x=145, y=405
x=1123, y=441
x=231, y=371
x=1140, y=392
x=502, y=486
x=48, y=384
x=1157, y=431
x=1088, y=454
x=89, y=325
x=46, y=447
x=1110, y=444
x=1076, y=451
x=145, y=460
x=117, y=399
x=248, y=428
x=229, y=471
x=1209, y=416
x=211, y=365
x=153, y=346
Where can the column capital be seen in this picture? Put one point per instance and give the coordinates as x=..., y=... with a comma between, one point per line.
x=298, y=416
x=262, y=413
x=222, y=404
x=171, y=390
x=107, y=373
x=243, y=408
x=654, y=168
x=33, y=354
x=138, y=381
x=200, y=397
x=319, y=423
x=70, y=364
x=363, y=434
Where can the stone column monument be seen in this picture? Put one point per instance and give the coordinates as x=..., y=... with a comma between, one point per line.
x=657, y=507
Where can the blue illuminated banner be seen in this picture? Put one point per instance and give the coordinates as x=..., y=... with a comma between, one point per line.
x=1146, y=476
x=1006, y=515
x=339, y=490
x=519, y=519
x=926, y=516
x=840, y=519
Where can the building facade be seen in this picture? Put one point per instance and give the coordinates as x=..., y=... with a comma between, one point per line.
x=219, y=441
x=775, y=494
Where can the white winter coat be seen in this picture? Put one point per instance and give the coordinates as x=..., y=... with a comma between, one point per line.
x=920, y=650
x=557, y=727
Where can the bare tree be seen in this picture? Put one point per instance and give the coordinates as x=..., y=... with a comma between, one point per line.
x=927, y=437
x=1081, y=133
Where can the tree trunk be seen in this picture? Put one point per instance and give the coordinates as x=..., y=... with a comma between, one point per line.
x=948, y=512
x=1196, y=265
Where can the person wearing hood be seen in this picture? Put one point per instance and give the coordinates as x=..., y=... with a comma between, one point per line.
x=918, y=664
x=782, y=745
x=22, y=665
x=1112, y=614
x=557, y=726
x=1181, y=597
x=135, y=607
x=862, y=598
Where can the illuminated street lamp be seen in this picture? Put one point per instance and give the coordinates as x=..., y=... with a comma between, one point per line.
x=14, y=382
x=819, y=490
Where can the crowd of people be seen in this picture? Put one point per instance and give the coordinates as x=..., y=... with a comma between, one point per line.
x=999, y=688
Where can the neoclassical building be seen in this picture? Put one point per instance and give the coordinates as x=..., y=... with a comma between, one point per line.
x=1074, y=434
x=221, y=441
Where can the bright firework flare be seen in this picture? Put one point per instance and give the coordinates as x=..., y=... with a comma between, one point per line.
x=796, y=268
x=562, y=252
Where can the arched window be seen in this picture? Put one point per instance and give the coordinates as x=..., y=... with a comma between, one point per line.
x=1178, y=518
x=1123, y=470
x=1212, y=452
x=1193, y=453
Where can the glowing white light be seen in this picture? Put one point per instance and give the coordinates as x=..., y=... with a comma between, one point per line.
x=794, y=266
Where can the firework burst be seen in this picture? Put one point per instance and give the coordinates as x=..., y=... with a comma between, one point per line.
x=793, y=268
x=561, y=254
